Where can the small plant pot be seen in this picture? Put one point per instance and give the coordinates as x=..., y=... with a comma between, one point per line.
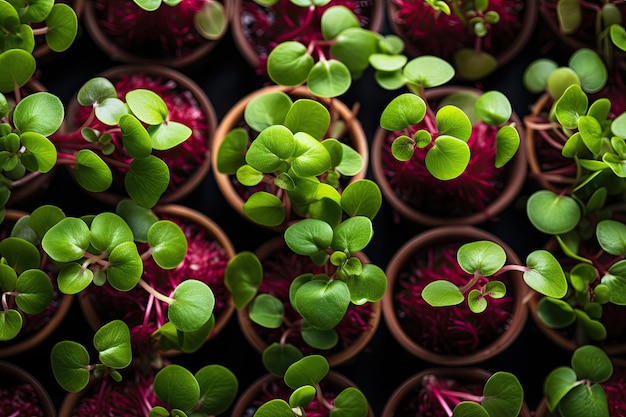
x=255, y=45
x=13, y=376
x=407, y=257
x=50, y=319
x=336, y=356
x=440, y=194
x=95, y=312
x=206, y=120
x=234, y=118
x=507, y=37
x=148, y=53
x=248, y=401
x=400, y=402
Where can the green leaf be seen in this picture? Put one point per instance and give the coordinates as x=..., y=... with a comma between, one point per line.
x=289, y=63
x=585, y=401
x=361, y=198
x=242, y=277
x=168, y=244
x=109, y=230
x=469, y=409
x=69, y=362
x=330, y=78
x=351, y=162
x=135, y=137
x=18, y=66
x=322, y=303
x=62, y=25
x=403, y=111
x=177, y=387
x=503, y=394
x=592, y=363
x=545, y=274
x=354, y=47
x=147, y=180
x=308, y=116
x=40, y=153
x=138, y=218
x=211, y=20
x=507, y=144
x=349, y=403
x=126, y=266
x=612, y=237
x=556, y=314
x=569, y=13
x=309, y=236
x=310, y=370
x=274, y=408
x=265, y=209
x=484, y=257
x=147, y=105
x=493, y=108
x=192, y=305
x=267, y=311
x=95, y=90
x=112, y=341
x=10, y=324
x=168, y=135
x=218, y=389
x=34, y=291
x=572, y=104
x=337, y=19
x=352, y=235
x=72, y=279
x=442, y=293
x=474, y=65
x=590, y=68
x=27, y=113
x=319, y=339
x=310, y=158
x=448, y=158
x=558, y=383
x=231, y=153
x=429, y=71
x=20, y=254
x=452, y=121
x=270, y=150
x=302, y=396
x=476, y=301
x=277, y=357
x=67, y=240
x=551, y=213
x=536, y=74
x=267, y=109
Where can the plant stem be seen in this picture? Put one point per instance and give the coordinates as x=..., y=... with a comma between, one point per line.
x=154, y=292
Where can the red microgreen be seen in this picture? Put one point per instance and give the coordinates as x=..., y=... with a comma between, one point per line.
x=20, y=400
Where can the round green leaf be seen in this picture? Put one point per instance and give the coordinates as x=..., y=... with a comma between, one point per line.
x=168, y=244
x=274, y=408
x=536, y=74
x=361, y=198
x=310, y=158
x=126, y=266
x=218, y=389
x=507, y=144
x=18, y=66
x=469, y=409
x=147, y=105
x=323, y=303
x=403, y=111
x=271, y=148
x=585, y=400
x=135, y=137
x=62, y=27
x=309, y=236
x=329, y=78
x=452, y=121
x=448, y=158
x=351, y=161
x=72, y=279
x=34, y=290
x=551, y=213
x=545, y=274
x=474, y=65
x=112, y=341
x=147, y=180
x=268, y=109
x=319, y=339
x=231, y=153
x=138, y=218
x=493, y=108
x=242, y=276
x=590, y=68
x=555, y=313
x=10, y=324
x=27, y=113
x=302, y=396
x=560, y=79
x=503, y=394
x=167, y=135
x=289, y=63
x=267, y=311
x=430, y=71
x=572, y=104
x=277, y=357
x=109, y=230
x=40, y=153
x=211, y=20
x=484, y=257
x=67, y=240
x=310, y=370
x=20, y=254
x=265, y=209
x=192, y=306
x=590, y=362
x=92, y=173
x=442, y=294
x=69, y=364
x=350, y=402
x=369, y=286
x=336, y=19
x=95, y=91
x=403, y=148
x=308, y=116
x=612, y=237
x=177, y=387
x=354, y=47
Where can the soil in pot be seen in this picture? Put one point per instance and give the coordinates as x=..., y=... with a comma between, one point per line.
x=430, y=32
x=166, y=36
x=186, y=102
x=477, y=195
x=207, y=255
x=449, y=335
x=258, y=29
x=23, y=395
x=280, y=267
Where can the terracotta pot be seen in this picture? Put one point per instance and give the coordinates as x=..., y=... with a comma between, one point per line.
x=250, y=330
x=13, y=375
x=510, y=45
x=11, y=348
x=122, y=53
x=242, y=406
x=89, y=301
x=248, y=46
x=182, y=82
x=515, y=172
x=412, y=385
x=26, y=191
x=453, y=235
x=234, y=118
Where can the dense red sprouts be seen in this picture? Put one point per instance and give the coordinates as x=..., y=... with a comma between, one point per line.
x=20, y=400
x=452, y=330
x=132, y=396
x=205, y=260
x=615, y=389
x=435, y=33
x=280, y=269
x=167, y=32
x=182, y=106
x=469, y=193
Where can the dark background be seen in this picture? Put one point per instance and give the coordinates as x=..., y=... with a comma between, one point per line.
x=383, y=365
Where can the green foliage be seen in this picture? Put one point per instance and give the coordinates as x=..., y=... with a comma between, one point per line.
x=575, y=390
x=448, y=153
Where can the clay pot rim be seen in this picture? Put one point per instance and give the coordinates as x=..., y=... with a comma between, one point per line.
x=117, y=53
x=91, y=315
x=452, y=234
x=338, y=358
x=517, y=167
x=409, y=386
x=235, y=115
x=18, y=374
x=183, y=82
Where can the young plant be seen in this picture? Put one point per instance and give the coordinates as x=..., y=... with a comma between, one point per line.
x=444, y=134
x=502, y=396
x=304, y=377
x=467, y=33
x=331, y=242
x=576, y=390
x=130, y=130
x=23, y=24
x=25, y=125
x=290, y=164
x=486, y=259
